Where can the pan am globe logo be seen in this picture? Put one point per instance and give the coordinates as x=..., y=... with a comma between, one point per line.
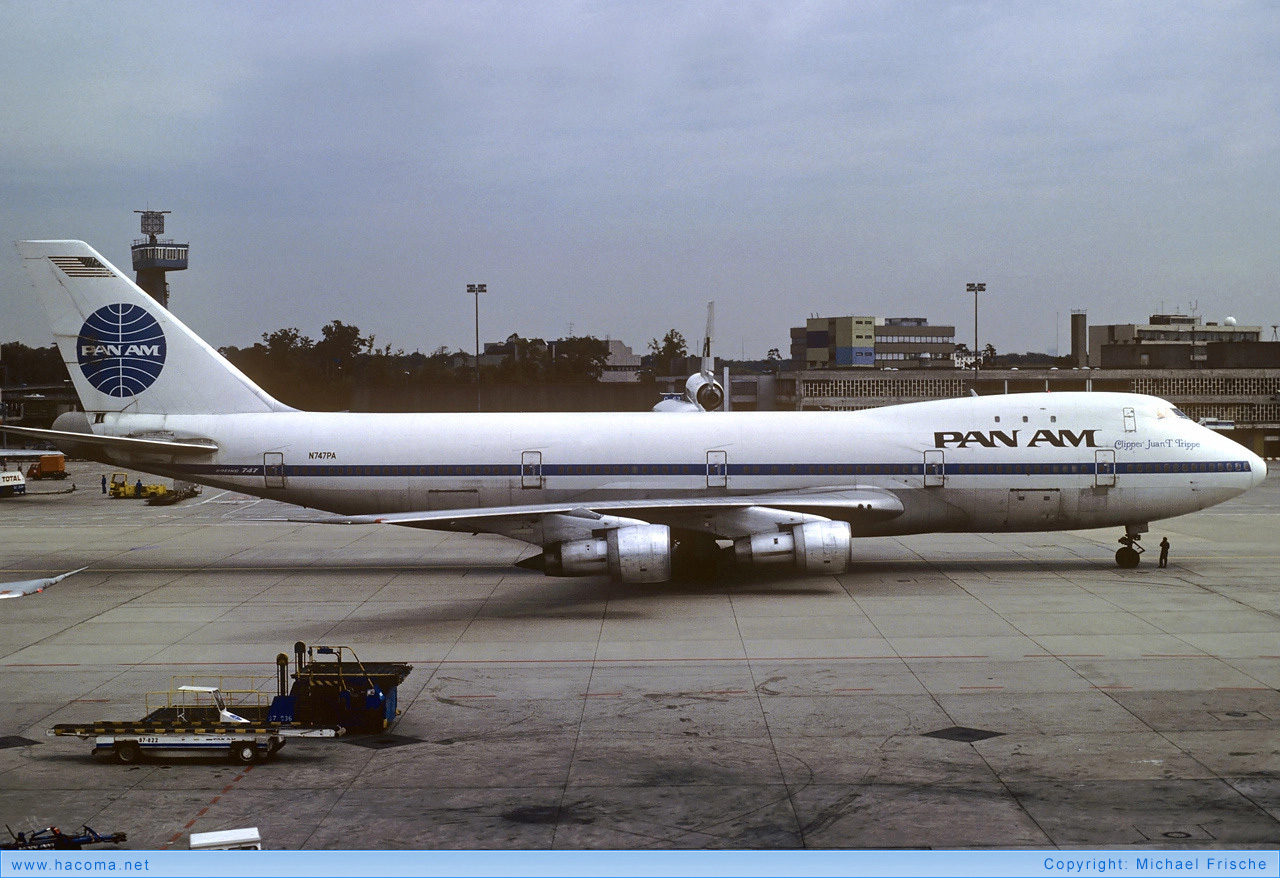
x=121, y=350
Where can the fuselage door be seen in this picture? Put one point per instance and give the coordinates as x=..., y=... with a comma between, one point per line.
x=1104, y=467
x=1130, y=420
x=531, y=469
x=1033, y=509
x=273, y=469
x=935, y=468
x=717, y=469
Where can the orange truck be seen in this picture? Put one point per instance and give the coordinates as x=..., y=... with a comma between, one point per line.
x=49, y=466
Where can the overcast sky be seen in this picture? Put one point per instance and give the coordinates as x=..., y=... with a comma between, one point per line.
x=608, y=167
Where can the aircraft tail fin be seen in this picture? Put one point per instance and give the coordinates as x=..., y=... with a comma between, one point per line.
x=703, y=389
x=702, y=392
x=125, y=352
x=709, y=361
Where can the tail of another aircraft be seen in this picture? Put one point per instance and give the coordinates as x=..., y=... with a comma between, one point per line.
x=124, y=351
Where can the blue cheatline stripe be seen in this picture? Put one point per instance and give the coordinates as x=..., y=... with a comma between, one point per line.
x=1207, y=466
x=510, y=471
x=1145, y=467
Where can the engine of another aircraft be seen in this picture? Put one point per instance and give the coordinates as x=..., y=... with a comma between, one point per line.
x=705, y=390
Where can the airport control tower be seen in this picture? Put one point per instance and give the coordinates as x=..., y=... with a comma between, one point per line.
x=153, y=257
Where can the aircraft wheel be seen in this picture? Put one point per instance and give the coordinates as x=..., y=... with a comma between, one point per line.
x=244, y=753
x=128, y=752
x=1127, y=557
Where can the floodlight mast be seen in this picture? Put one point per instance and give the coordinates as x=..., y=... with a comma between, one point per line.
x=476, y=290
x=975, y=289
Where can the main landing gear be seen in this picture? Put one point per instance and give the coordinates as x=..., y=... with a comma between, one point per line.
x=1130, y=551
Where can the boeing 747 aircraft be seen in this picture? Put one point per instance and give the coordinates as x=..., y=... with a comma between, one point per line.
x=628, y=495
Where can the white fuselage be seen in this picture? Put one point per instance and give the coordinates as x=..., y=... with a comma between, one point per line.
x=1021, y=462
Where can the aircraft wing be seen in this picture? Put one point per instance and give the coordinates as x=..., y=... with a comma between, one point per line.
x=23, y=453
x=63, y=438
x=32, y=586
x=721, y=517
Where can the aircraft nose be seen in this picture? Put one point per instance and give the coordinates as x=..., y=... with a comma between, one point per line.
x=1258, y=468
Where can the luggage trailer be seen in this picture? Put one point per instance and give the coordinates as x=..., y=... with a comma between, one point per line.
x=199, y=727
x=239, y=718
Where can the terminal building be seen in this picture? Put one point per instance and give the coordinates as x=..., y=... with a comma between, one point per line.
x=1219, y=374
x=911, y=343
x=1244, y=401
x=623, y=364
x=1170, y=341
x=861, y=342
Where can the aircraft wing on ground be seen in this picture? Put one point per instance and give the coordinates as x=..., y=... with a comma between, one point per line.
x=721, y=517
x=32, y=586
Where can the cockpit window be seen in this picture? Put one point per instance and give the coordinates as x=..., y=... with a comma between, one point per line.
x=1180, y=413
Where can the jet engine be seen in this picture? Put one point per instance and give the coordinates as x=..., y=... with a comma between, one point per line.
x=638, y=553
x=702, y=392
x=815, y=547
x=703, y=389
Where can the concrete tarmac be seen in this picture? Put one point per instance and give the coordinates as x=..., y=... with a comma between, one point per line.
x=950, y=691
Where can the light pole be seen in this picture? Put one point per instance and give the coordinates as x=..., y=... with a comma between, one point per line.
x=975, y=289
x=476, y=290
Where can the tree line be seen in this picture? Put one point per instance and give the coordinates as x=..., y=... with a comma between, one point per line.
x=323, y=372
x=20, y=364
x=286, y=362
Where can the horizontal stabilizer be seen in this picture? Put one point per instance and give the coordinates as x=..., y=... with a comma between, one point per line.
x=63, y=438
